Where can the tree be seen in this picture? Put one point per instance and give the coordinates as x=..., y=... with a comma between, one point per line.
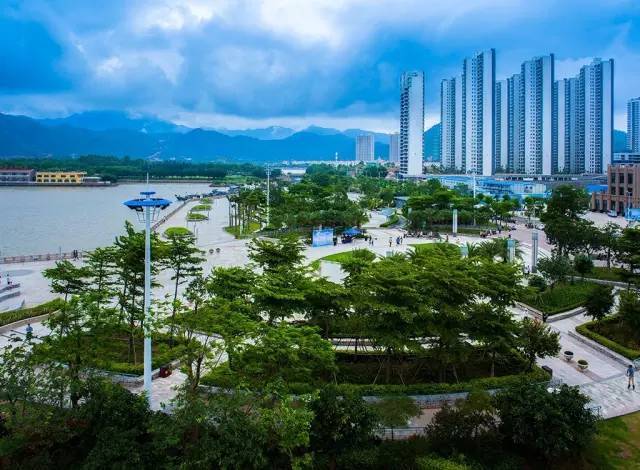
x=599, y=301
x=582, y=264
x=494, y=328
x=535, y=339
x=271, y=255
x=609, y=235
x=628, y=252
x=102, y=263
x=556, y=268
x=629, y=311
x=395, y=412
x=326, y=301
x=231, y=283
x=67, y=279
x=18, y=380
x=340, y=423
x=284, y=353
x=468, y=427
x=359, y=260
x=564, y=208
x=374, y=171
x=552, y=424
x=183, y=258
x=280, y=293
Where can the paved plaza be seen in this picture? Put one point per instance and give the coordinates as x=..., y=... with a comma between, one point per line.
x=604, y=381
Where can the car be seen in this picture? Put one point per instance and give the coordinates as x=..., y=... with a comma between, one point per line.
x=612, y=214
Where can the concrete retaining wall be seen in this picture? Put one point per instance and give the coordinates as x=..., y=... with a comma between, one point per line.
x=600, y=348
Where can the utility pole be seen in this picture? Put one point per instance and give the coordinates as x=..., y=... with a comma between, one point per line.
x=268, y=193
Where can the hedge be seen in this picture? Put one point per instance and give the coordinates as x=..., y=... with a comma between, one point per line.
x=159, y=358
x=584, y=330
x=201, y=208
x=196, y=216
x=24, y=313
x=177, y=232
x=221, y=377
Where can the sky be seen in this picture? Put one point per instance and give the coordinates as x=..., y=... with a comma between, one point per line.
x=254, y=63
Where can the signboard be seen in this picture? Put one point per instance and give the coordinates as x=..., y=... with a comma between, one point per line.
x=633, y=214
x=322, y=237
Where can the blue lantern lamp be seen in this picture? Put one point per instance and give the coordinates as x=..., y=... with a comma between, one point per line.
x=148, y=209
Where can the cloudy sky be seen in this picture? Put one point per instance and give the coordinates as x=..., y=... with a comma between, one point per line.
x=252, y=63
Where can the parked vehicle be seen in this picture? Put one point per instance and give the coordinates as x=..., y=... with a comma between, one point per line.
x=612, y=214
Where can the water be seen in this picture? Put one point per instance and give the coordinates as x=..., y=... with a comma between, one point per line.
x=49, y=219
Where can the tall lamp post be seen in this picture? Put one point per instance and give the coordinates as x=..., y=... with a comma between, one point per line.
x=147, y=209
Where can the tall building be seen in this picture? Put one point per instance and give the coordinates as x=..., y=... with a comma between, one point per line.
x=501, y=153
x=538, y=79
x=479, y=78
x=515, y=96
x=566, y=131
x=412, y=123
x=633, y=125
x=595, y=115
x=365, y=145
x=448, y=123
x=394, y=147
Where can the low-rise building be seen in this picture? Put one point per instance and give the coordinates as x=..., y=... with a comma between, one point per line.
x=626, y=157
x=17, y=175
x=622, y=190
x=60, y=177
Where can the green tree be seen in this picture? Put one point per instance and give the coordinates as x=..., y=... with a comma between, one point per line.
x=101, y=263
x=562, y=216
x=340, y=423
x=67, y=279
x=359, y=260
x=609, y=235
x=284, y=353
x=326, y=301
x=629, y=311
x=599, y=301
x=184, y=259
x=535, y=339
x=555, y=268
x=494, y=329
x=628, y=252
x=272, y=255
x=551, y=424
x=231, y=283
x=582, y=264
x=395, y=412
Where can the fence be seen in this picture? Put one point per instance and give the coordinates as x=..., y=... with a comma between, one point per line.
x=75, y=254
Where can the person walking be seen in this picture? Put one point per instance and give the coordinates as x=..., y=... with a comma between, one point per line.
x=630, y=376
x=29, y=331
x=390, y=241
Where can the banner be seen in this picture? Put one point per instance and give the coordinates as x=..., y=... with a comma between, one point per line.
x=322, y=237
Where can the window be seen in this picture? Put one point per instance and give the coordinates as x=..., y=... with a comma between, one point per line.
x=629, y=178
x=621, y=177
x=613, y=177
x=613, y=190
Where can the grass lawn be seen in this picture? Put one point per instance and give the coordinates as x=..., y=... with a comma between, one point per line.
x=562, y=297
x=617, y=445
x=334, y=258
x=601, y=272
x=253, y=227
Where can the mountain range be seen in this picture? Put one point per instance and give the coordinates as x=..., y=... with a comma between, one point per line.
x=120, y=134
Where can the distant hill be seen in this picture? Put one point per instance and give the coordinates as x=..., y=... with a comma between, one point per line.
x=23, y=136
x=267, y=133
x=109, y=120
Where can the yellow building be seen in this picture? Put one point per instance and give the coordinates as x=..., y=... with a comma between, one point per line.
x=60, y=177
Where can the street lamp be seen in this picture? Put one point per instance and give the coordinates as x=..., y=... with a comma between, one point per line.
x=147, y=209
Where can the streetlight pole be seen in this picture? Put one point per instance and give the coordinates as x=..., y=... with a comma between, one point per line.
x=147, y=209
x=268, y=193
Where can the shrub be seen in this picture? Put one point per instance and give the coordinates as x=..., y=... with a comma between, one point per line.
x=438, y=463
x=536, y=281
x=177, y=232
x=559, y=298
x=549, y=424
x=585, y=330
x=201, y=208
x=195, y=216
x=24, y=313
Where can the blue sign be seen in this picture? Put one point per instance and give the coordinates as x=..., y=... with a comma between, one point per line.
x=633, y=214
x=322, y=237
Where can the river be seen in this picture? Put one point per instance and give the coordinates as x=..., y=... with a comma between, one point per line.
x=48, y=219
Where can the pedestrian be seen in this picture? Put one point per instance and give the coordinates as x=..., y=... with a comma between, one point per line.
x=29, y=331
x=390, y=241
x=630, y=372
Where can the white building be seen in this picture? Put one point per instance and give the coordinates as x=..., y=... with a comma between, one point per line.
x=501, y=153
x=566, y=157
x=365, y=145
x=515, y=159
x=394, y=148
x=538, y=80
x=479, y=80
x=596, y=115
x=633, y=125
x=412, y=123
x=448, y=123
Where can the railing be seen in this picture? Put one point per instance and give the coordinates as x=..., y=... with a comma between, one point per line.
x=76, y=254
